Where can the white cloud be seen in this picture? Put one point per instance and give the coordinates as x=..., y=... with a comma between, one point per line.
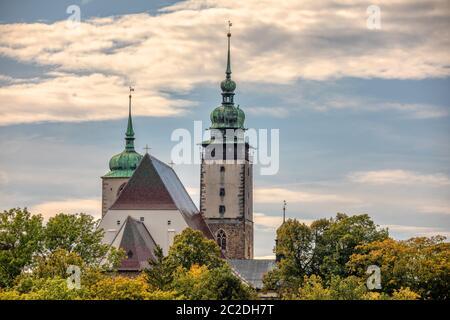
x=382, y=177
x=69, y=206
x=183, y=46
x=405, y=232
x=266, y=223
x=277, y=195
x=69, y=97
x=436, y=209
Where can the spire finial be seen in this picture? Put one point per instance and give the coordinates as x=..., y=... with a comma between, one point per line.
x=228, y=86
x=228, y=72
x=129, y=135
x=284, y=211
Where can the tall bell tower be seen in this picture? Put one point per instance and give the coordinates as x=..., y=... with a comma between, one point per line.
x=226, y=176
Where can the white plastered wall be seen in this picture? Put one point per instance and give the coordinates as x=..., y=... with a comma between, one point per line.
x=156, y=221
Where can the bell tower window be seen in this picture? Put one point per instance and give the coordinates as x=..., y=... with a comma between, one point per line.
x=222, y=239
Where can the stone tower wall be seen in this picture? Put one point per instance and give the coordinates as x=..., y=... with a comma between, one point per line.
x=237, y=220
x=110, y=191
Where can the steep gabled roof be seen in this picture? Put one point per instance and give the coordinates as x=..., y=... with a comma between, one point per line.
x=155, y=186
x=145, y=190
x=138, y=245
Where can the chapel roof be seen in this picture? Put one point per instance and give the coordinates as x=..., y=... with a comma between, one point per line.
x=155, y=186
x=138, y=244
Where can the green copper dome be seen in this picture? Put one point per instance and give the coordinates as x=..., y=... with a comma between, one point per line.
x=122, y=165
x=227, y=115
x=228, y=85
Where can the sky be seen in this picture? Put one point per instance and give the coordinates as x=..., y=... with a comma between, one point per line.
x=363, y=114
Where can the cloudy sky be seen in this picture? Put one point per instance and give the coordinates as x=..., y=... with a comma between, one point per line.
x=363, y=114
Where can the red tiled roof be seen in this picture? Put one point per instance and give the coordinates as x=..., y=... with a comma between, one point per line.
x=144, y=190
x=138, y=245
x=155, y=186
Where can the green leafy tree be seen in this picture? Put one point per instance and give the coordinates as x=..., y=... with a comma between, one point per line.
x=76, y=233
x=160, y=273
x=56, y=264
x=322, y=249
x=422, y=264
x=126, y=288
x=191, y=247
x=21, y=237
x=340, y=240
x=349, y=288
x=200, y=283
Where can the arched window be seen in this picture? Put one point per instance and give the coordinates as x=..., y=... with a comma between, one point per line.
x=222, y=239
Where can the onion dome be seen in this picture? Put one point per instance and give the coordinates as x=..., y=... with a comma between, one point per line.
x=227, y=115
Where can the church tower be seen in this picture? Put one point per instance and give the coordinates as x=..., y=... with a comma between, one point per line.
x=226, y=176
x=121, y=167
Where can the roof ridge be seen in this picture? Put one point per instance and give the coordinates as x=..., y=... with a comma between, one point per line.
x=145, y=190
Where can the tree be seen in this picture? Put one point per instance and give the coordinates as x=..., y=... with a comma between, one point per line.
x=422, y=264
x=126, y=288
x=21, y=237
x=349, y=288
x=195, y=270
x=191, y=247
x=201, y=283
x=76, y=233
x=56, y=264
x=322, y=249
x=340, y=239
x=160, y=273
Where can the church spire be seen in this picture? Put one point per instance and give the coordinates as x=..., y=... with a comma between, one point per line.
x=228, y=86
x=129, y=135
x=228, y=72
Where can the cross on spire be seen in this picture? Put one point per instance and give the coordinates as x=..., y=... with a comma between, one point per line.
x=146, y=148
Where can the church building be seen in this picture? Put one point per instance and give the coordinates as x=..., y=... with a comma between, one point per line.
x=144, y=203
